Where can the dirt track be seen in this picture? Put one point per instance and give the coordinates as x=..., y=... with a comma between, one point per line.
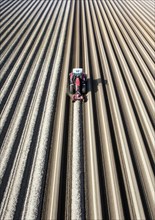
x=113, y=41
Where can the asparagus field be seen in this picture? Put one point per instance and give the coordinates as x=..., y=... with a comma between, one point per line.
x=77, y=160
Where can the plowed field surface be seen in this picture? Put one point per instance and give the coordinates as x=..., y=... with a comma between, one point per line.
x=93, y=159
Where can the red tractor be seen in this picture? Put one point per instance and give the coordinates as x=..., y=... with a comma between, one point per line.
x=77, y=84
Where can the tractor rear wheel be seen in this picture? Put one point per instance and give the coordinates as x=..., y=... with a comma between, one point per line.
x=71, y=88
x=84, y=89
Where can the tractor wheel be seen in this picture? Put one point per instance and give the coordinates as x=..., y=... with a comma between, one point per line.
x=71, y=88
x=84, y=89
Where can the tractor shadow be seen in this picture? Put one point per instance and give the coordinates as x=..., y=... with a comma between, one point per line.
x=92, y=84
